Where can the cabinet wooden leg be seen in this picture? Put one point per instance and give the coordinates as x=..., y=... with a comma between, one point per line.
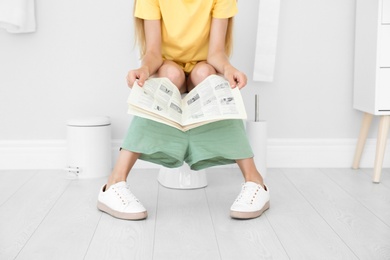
x=384, y=125
x=366, y=122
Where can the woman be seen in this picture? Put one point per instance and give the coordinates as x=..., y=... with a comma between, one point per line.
x=185, y=41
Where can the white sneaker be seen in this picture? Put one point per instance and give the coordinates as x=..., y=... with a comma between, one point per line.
x=251, y=202
x=119, y=202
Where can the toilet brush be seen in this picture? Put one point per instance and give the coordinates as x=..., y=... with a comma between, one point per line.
x=256, y=108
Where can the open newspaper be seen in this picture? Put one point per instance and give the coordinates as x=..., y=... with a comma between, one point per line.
x=212, y=100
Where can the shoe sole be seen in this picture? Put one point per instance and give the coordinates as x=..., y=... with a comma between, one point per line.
x=249, y=215
x=121, y=215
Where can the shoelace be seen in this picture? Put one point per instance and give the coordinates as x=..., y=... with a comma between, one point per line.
x=248, y=194
x=125, y=195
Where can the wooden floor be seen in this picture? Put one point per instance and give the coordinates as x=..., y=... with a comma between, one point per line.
x=314, y=214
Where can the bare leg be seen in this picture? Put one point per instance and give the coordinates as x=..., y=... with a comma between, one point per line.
x=124, y=163
x=174, y=73
x=127, y=159
x=247, y=166
x=249, y=171
x=201, y=71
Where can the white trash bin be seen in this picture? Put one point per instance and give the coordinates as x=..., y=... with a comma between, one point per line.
x=89, y=147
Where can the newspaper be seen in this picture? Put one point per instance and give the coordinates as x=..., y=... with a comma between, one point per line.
x=211, y=100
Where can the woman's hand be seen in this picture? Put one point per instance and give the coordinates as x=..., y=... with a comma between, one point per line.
x=141, y=74
x=235, y=77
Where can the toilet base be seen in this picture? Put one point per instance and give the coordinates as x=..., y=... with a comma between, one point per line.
x=182, y=178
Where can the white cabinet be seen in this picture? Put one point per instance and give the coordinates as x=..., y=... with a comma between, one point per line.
x=386, y=12
x=372, y=57
x=372, y=74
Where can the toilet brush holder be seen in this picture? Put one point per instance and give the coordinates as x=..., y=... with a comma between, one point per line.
x=257, y=136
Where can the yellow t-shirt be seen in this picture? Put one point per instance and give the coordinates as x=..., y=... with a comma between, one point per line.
x=185, y=24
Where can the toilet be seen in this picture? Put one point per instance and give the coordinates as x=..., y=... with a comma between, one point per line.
x=182, y=178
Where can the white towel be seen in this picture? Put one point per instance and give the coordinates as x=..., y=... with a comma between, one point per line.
x=266, y=41
x=17, y=16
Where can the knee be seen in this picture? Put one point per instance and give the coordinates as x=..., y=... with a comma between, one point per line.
x=199, y=73
x=174, y=74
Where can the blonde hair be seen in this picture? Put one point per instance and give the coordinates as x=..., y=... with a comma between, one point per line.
x=141, y=41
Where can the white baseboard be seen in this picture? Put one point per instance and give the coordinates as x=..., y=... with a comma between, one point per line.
x=320, y=153
x=281, y=153
x=27, y=154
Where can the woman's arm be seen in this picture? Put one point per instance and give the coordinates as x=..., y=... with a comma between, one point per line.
x=152, y=59
x=217, y=56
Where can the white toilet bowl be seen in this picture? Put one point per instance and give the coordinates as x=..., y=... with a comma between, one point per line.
x=182, y=178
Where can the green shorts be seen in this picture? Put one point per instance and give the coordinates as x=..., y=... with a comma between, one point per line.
x=218, y=143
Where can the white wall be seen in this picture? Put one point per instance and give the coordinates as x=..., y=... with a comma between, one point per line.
x=76, y=63
x=311, y=96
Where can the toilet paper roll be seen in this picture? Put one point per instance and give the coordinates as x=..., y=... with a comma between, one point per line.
x=266, y=41
x=257, y=136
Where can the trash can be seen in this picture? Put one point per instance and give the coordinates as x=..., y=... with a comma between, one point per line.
x=89, y=147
